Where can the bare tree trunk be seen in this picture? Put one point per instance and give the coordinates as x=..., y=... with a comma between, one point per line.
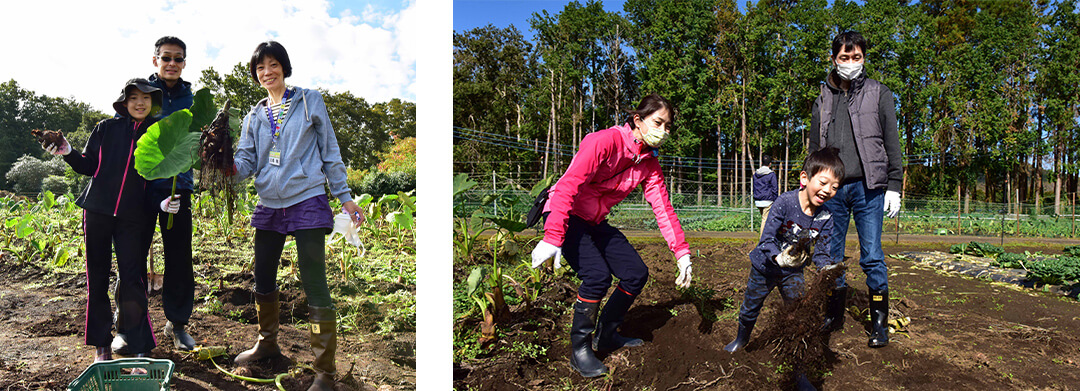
x=1057, y=181
x=551, y=126
x=719, y=163
x=787, y=156
x=742, y=146
x=700, y=179
x=967, y=197
x=559, y=107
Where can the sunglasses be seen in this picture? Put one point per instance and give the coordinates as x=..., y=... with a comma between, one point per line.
x=171, y=59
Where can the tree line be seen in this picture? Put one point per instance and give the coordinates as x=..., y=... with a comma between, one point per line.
x=372, y=136
x=987, y=92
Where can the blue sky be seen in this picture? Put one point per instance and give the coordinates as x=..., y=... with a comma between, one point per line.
x=365, y=47
x=469, y=14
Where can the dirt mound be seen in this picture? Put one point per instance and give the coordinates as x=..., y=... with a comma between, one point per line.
x=42, y=315
x=964, y=334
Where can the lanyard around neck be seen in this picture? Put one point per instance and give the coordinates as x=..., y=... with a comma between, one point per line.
x=276, y=123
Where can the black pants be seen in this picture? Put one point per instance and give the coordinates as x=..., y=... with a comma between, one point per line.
x=596, y=252
x=178, y=287
x=130, y=238
x=311, y=261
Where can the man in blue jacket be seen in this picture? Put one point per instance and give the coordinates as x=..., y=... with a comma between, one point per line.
x=765, y=189
x=856, y=114
x=178, y=290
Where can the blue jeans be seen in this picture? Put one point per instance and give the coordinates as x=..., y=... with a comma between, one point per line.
x=758, y=287
x=867, y=206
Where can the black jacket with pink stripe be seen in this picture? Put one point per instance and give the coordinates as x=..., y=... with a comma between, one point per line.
x=115, y=188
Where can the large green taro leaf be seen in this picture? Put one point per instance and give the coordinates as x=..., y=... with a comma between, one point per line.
x=203, y=110
x=167, y=148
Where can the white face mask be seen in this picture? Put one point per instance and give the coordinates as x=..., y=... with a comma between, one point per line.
x=849, y=71
x=654, y=137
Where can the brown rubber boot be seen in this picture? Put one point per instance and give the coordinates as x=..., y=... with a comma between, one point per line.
x=266, y=346
x=324, y=344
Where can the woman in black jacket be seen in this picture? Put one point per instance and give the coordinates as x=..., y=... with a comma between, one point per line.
x=114, y=213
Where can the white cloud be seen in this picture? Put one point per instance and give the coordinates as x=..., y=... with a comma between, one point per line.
x=86, y=50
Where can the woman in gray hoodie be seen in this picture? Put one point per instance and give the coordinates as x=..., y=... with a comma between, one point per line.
x=288, y=144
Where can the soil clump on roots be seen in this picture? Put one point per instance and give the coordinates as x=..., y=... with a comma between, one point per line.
x=48, y=138
x=793, y=332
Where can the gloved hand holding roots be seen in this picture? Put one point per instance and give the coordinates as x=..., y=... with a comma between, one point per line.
x=796, y=254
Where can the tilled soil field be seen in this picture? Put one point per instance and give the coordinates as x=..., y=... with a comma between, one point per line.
x=964, y=333
x=41, y=326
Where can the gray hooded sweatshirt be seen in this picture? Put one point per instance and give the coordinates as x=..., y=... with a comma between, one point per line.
x=310, y=157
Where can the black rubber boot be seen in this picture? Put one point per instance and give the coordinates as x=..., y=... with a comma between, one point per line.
x=834, y=310
x=582, y=357
x=740, y=340
x=879, y=318
x=607, y=335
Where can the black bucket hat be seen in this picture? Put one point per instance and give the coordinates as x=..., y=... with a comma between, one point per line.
x=144, y=86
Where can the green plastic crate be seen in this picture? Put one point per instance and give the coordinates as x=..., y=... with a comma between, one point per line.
x=115, y=375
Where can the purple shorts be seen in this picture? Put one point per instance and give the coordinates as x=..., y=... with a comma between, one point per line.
x=312, y=213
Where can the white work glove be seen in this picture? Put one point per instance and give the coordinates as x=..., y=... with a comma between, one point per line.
x=683, y=280
x=892, y=203
x=543, y=251
x=830, y=266
x=786, y=258
x=62, y=150
x=171, y=204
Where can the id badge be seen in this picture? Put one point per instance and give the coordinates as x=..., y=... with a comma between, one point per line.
x=275, y=155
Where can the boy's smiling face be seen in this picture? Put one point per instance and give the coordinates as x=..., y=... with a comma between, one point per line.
x=819, y=188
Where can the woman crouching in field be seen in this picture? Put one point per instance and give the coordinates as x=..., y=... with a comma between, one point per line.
x=289, y=146
x=609, y=165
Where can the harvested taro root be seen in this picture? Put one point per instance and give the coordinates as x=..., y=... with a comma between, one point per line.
x=48, y=138
x=216, y=143
x=216, y=152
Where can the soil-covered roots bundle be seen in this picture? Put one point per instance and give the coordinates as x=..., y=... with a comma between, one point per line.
x=48, y=138
x=216, y=152
x=793, y=332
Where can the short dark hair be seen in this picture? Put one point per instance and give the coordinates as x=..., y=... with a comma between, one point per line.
x=848, y=39
x=648, y=105
x=824, y=159
x=168, y=39
x=272, y=49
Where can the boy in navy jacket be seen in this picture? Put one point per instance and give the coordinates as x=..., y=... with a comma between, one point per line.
x=797, y=221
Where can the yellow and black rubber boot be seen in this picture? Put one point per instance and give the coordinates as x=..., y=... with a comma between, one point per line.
x=834, y=310
x=879, y=318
